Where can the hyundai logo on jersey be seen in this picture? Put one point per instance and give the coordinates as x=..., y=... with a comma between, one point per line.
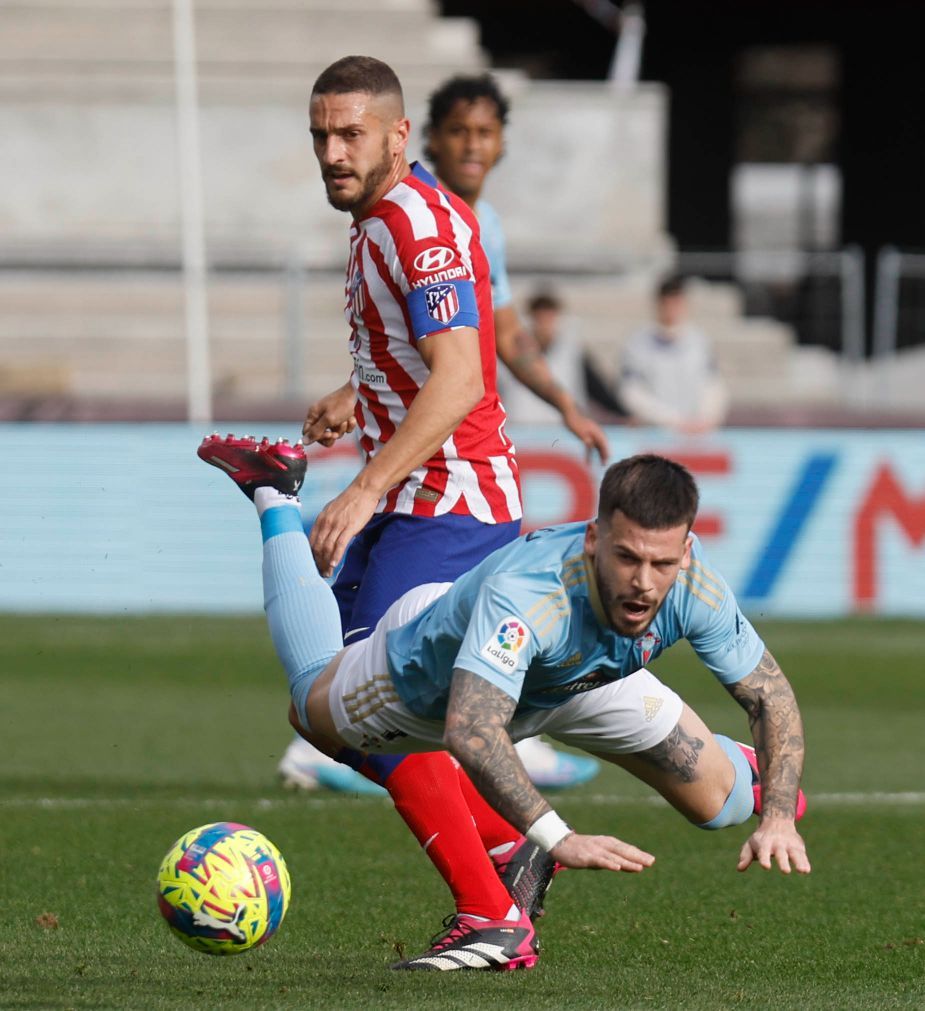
x=435, y=258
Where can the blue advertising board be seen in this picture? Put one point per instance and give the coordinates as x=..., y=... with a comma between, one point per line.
x=126, y=519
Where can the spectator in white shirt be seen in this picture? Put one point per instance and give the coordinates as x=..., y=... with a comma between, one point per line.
x=668, y=375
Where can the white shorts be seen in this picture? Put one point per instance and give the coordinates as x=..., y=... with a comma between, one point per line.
x=622, y=717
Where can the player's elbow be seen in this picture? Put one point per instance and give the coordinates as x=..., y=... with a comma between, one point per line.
x=453, y=739
x=458, y=741
x=475, y=388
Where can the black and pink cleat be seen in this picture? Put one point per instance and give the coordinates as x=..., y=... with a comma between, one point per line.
x=527, y=872
x=252, y=464
x=752, y=759
x=470, y=943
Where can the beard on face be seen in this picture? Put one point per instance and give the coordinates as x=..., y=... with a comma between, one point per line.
x=618, y=620
x=368, y=183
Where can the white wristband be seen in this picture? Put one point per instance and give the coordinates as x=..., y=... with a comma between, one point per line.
x=548, y=831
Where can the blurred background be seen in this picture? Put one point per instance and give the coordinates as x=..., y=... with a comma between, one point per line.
x=168, y=263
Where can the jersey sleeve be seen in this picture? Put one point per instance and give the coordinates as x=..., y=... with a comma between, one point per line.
x=510, y=626
x=723, y=638
x=494, y=246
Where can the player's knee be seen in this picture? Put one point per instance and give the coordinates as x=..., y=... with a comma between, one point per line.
x=739, y=803
x=294, y=720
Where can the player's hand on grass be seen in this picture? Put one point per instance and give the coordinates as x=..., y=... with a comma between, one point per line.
x=340, y=520
x=330, y=418
x=775, y=840
x=600, y=852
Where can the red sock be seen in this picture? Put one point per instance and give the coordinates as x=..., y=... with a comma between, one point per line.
x=492, y=828
x=427, y=794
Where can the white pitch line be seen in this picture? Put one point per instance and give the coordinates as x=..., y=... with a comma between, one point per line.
x=874, y=798
x=829, y=800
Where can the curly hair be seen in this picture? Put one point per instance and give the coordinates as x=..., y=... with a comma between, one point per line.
x=465, y=89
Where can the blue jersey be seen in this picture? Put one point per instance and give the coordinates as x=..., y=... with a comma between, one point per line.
x=492, y=237
x=529, y=620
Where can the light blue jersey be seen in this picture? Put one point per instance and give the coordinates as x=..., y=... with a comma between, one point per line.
x=529, y=620
x=493, y=244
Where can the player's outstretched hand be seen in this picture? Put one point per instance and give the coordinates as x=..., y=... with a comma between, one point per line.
x=330, y=418
x=600, y=852
x=775, y=839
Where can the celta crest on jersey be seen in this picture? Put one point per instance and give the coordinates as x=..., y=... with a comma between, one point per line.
x=442, y=302
x=509, y=638
x=647, y=644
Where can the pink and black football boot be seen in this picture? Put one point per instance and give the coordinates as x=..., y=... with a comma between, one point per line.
x=526, y=872
x=469, y=943
x=252, y=464
x=756, y=782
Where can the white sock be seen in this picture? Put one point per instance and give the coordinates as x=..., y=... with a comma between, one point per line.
x=267, y=497
x=512, y=914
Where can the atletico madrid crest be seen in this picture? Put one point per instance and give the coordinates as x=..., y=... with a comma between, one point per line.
x=442, y=302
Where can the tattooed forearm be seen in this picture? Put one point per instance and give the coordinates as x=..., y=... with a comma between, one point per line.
x=777, y=729
x=678, y=754
x=476, y=734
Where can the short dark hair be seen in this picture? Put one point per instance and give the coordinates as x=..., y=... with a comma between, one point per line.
x=673, y=284
x=543, y=300
x=650, y=490
x=465, y=89
x=358, y=73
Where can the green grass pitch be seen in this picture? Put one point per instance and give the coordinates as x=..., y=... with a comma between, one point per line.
x=118, y=735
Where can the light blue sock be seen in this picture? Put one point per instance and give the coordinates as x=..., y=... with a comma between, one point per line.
x=301, y=611
x=741, y=801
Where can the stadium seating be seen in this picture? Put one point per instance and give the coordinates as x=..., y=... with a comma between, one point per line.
x=91, y=187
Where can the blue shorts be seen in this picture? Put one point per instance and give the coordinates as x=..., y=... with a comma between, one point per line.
x=395, y=552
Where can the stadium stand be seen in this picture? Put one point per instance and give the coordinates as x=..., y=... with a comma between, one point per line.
x=91, y=296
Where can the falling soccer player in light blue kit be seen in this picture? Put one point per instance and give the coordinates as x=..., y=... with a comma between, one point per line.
x=550, y=634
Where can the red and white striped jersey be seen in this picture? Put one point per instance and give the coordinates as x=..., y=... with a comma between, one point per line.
x=417, y=268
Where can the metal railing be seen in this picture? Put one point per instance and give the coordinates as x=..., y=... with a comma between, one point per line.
x=899, y=301
x=790, y=285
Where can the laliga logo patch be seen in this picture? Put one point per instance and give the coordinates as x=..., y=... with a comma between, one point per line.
x=442, y=302
x=508, y=640
x=646, y=644
x=433, y=259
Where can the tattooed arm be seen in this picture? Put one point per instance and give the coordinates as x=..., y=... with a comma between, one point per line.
x=777, y=730
x=476, y=734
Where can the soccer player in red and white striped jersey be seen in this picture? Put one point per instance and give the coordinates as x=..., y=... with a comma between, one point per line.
x=439, y=490
x=417, y=269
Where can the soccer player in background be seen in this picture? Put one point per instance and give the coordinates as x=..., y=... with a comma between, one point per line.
x=551, y=633
x=464, y=139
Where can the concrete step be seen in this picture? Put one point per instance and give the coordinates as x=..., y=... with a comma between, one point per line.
x=125, y=333
x=35, y=38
